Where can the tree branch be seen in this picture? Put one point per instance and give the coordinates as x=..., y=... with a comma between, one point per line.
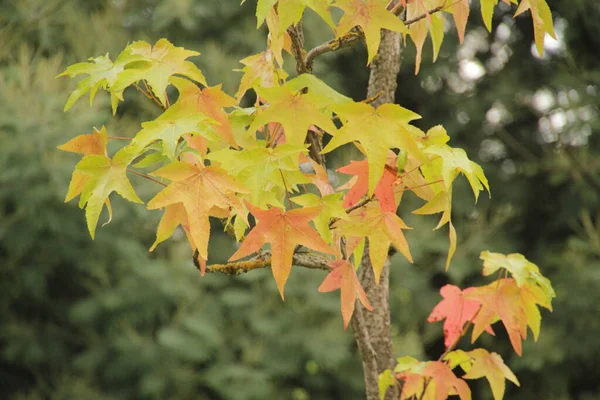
x=355, y=35
x=263, y=260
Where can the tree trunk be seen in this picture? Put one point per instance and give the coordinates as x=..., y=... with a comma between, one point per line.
x=372, y=329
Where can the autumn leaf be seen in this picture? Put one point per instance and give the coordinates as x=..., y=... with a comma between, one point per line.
x=283, y=230
x=384, y=191
x=371, y=16
x=452, y=161
x=377, y=130
x=460, y=12
x=263, y=169
x=522, y=270
x=209, y=101
x=332, y=208
x=168, y=128
x=161, y=61
x=457, y=311
x=102, y=73
x=294, y=110
x=86, y=144
x=290, y=11
x=442, y=203
x=343, y=277
x=201, y=190
x=434, y=24
x=542, y=20
x=104, y=176
x=487, y=10
x=382, y=228
x=479, y=363
x=259, y=71
x=515, y=306
x=441, y=382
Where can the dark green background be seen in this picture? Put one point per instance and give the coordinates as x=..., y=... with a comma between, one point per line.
x=108, y=320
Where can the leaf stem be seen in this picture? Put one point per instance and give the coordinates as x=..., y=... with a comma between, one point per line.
x=146, y=177
x=119, y=138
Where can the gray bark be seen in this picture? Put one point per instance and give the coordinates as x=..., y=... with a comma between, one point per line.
x=372, y=329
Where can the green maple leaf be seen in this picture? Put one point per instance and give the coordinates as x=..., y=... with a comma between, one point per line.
x=102, y=73
x=170, y=130
x=523, y=270
x=263, y=170
x=371, y=16
x=161, y=61
x=104, y=176
x=290, y=11
x=487, y=10
x=453, y=161
x=294, y=110
x=377, y=130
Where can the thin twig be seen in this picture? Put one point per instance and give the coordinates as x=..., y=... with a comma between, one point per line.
x=353, y=36
x=146, y=177
x=119, y=138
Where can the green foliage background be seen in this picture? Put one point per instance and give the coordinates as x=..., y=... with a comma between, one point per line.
x=108, y=320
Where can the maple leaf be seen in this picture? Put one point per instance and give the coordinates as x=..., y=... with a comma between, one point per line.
x=452, y=161
x=441, y=382
x=262, y=169
x=434, y=24
x=343, y=277
x=103, y=73
x=259, y=71
x=173, y=216
x=500, y=299
x=209, y=101
x=371, y=16
x=542, y=21
x=161, y=61
x=278, y=39
x=457, y=311
x=332, y=208
x=523, y=270
x=480, y=363
x=169, y=128
x=377, y=130
x=294, y=110
x=104, y=176
x=89, y=143
x=442, y=203
x=382, y=228
x=460, y=12
x=283, y=230
x=290, y=11
x=487, y=11
x=202, y=191
x=384, y=191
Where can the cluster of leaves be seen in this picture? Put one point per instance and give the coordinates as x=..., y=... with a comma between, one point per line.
x=217, y=159
x=514, y=301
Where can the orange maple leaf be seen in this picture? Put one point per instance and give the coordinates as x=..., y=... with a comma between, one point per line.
x=343, y=277
x=384, y=191
x=283, y=230
x=209, y=101
x=457, y=310
x=441, y=383
x=501, y=299
x=203, y=191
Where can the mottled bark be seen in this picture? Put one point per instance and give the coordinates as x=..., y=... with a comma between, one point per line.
x=372, y=329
